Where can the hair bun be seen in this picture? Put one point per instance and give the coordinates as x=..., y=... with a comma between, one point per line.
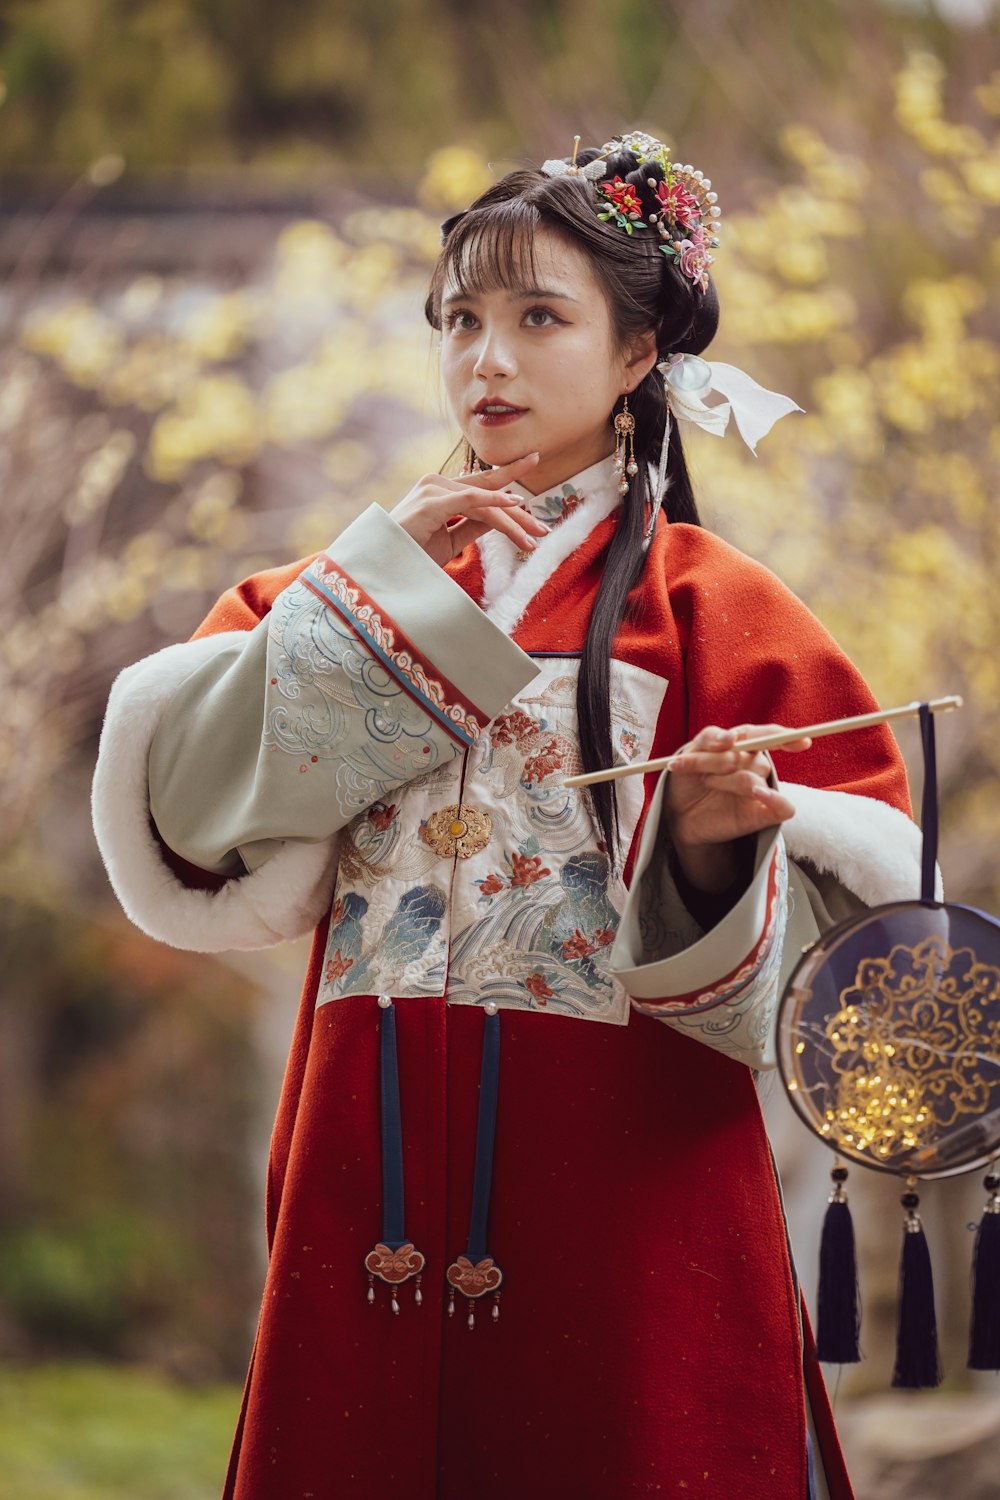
x=702, y=324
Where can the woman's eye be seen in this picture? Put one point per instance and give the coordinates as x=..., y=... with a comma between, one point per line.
x=461, y=320
x=540, y=317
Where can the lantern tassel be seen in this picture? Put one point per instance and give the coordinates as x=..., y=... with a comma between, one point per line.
x=984, y=1335
x=838, y=1303
x=917, y=1364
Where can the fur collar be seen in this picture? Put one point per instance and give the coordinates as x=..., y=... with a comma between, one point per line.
x=510, y=585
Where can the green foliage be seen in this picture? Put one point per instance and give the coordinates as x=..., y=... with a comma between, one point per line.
x=185, y=83
x=85, y=1285
x=89, y=1432
x=130, y=1225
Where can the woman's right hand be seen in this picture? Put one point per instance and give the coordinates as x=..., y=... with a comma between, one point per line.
x=480, y=504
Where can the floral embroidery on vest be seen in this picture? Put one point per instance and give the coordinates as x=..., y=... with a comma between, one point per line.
x=527, y=920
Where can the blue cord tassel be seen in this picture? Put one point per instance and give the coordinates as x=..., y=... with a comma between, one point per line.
x=838, y=1310
x=984, y=1335
x=917, y=1364
x=476, y=1274
x=394, y=1259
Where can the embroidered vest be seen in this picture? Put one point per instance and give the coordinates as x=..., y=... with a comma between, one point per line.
x=520, y=907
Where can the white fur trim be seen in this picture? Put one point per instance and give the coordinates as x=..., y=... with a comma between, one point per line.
x=873, y=849
x=508, y=589
x=283, y=899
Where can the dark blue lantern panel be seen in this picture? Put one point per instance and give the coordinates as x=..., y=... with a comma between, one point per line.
x=889, y=1038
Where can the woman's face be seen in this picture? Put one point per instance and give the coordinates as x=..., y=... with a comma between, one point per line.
x=545, y=357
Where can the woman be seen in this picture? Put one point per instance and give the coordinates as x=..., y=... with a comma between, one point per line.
x=376, y=742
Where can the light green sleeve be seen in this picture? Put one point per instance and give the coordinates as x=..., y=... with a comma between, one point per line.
x=721, y=987
x=373, y=668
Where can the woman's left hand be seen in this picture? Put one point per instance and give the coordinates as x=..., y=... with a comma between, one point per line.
x=717, y=794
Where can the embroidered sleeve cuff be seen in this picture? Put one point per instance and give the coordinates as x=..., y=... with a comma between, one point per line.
x=720, y=987
x=662, y=963
x=424, y=628
x=723, y=991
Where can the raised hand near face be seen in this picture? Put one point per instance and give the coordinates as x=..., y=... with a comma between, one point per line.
x=479, y=501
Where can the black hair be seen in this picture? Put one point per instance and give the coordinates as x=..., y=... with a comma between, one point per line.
x=490, y=246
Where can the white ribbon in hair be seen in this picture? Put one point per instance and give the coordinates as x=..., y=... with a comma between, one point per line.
x=687, y=380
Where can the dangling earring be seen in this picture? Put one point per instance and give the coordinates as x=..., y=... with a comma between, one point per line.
x=470, y=463
x=624, y=461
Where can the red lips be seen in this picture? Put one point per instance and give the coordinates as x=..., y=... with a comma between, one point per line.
x=496, y=401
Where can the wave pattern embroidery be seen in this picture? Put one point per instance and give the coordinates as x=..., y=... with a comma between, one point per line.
x=460, y=717
x=330, y=700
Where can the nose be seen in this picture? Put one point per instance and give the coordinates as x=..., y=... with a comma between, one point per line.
x=495, y=355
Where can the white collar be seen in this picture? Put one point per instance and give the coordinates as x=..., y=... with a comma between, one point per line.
x=550, y=504
x=509, y=584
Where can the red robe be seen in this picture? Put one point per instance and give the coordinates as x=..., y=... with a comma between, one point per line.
x=652, y=1340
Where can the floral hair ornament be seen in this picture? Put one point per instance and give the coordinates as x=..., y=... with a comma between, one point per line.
x=685, y=212
x=687, y=380
x=686, y=215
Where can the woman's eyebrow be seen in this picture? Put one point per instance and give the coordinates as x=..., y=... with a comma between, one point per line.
x=541, y=291
x=521, y=295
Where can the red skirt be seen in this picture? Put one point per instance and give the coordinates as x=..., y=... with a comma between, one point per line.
x=650, y=1341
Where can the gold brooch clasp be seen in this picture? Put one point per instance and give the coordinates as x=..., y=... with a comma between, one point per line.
x=458, y=830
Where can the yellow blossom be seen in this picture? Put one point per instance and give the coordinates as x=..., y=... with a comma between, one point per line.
x=409, y=229
x=455, y=175
x=309, y=261
x=983, y=177
x=100, y=474
x=221, y=327
x=80, y=338
x=987, y=95
x=211, y=507
x=848, y=410
x=216, y=417
x=141, y=297
x=305, y=402
x=154, y=371
x=802, y=262
x=370, y=273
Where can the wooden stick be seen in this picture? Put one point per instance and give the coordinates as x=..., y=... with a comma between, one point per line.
x=776, y=740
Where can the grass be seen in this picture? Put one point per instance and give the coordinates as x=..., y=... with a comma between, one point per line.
x=100, y=1432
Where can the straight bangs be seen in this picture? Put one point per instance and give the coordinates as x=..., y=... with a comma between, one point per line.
x=489, y=249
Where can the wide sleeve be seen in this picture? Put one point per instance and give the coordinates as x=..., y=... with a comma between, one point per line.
x=753, y=653
x=244, y=751
x=721, y=986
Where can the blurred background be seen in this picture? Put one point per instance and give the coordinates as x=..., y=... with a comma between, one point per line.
x=217, y=219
